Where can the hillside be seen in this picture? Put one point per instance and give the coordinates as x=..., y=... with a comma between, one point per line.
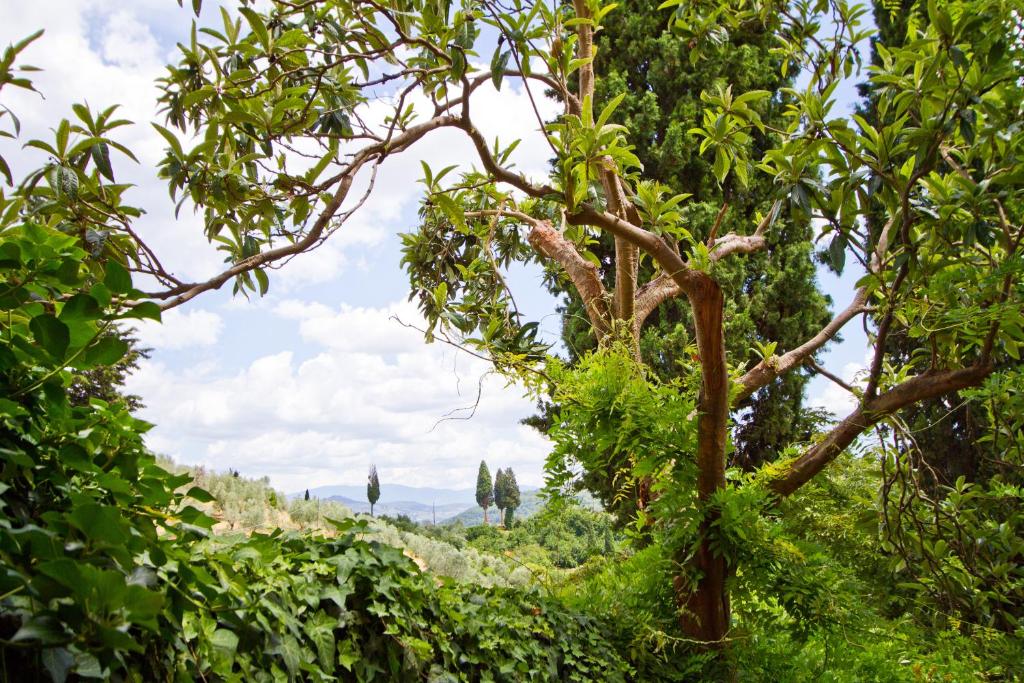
x=394, y=494
x=418, y=512
x=473, y=515
x=532, y=502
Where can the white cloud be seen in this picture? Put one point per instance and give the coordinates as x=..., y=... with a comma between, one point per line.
x=835, y=398
x=373, y=393
x=181, y=330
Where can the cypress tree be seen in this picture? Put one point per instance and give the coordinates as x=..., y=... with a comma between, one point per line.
x=500, y=493
x=372, y=488
x=484, y=488
x=307, y=495
x=512, y=496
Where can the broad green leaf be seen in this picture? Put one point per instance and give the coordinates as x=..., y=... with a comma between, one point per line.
x=117, y=278
x=106, y=351
x=51, y=334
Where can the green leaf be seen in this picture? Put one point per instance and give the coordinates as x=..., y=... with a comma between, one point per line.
x=224, y=640
x=64, y=182
x=44, y=629
x=171, y=140
x=721, y=166
x=80, y=307
x=262, y=280
x=117, y=278
x=147, y=310
x=106, y=351
x=58, y=662
x=51, y=334
x=199, y=494
x=608, y=110
x=100, y=153
x=100, y=523
x=499, y=62
x=837, y=252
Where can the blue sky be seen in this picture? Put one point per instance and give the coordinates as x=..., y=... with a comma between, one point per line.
x=315, y=382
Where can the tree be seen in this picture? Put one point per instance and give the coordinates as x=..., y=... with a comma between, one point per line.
x=769, y=295
x=512, y=497
x=941, y=166
x=372, y=488
x=484, y=488
x=106, y=382
x=307, y=495
x=501, y=493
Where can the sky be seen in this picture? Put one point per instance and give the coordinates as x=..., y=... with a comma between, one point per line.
x=314, y=382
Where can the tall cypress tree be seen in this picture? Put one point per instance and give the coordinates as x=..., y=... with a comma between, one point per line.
x=484, y=489
x=500, y=493
x=771, y=295
x=512, y=497
x=372, y=488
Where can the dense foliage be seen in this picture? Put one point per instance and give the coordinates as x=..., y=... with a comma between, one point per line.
x=110, y=572
x=771, y=295
x=108, y=568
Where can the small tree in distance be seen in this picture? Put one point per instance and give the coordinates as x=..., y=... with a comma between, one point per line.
x=484, y=489
x=372, y=488
x=307, y=495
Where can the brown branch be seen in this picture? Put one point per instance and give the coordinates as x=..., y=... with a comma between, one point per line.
x=671, y=262
x=921, y=388
x=627, y=255
x=584, y=274
x=585, y=50
x=767, y=370
x=500, y=173
x=652, y=295
x=737, y=244
x=718, y=223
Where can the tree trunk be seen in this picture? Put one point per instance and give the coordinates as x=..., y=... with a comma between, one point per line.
x=485, y=516
x=706, y=604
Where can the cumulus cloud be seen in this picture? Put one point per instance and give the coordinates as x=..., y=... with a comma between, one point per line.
x=373, y=392
x=181, y=330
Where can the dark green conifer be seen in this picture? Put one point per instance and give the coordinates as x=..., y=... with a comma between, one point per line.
x=484, y=488
x=372, y=488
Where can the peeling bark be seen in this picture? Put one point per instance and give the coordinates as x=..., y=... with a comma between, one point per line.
x=584, y=274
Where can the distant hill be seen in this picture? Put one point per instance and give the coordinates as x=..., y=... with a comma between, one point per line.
x=418, y=512
x=531, y=504
x=396, y=493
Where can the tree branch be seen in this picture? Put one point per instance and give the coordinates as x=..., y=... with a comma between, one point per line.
x=652, y=295
x=176, y=296
x=921, y=388
x=770, y=368
x=584, y=274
